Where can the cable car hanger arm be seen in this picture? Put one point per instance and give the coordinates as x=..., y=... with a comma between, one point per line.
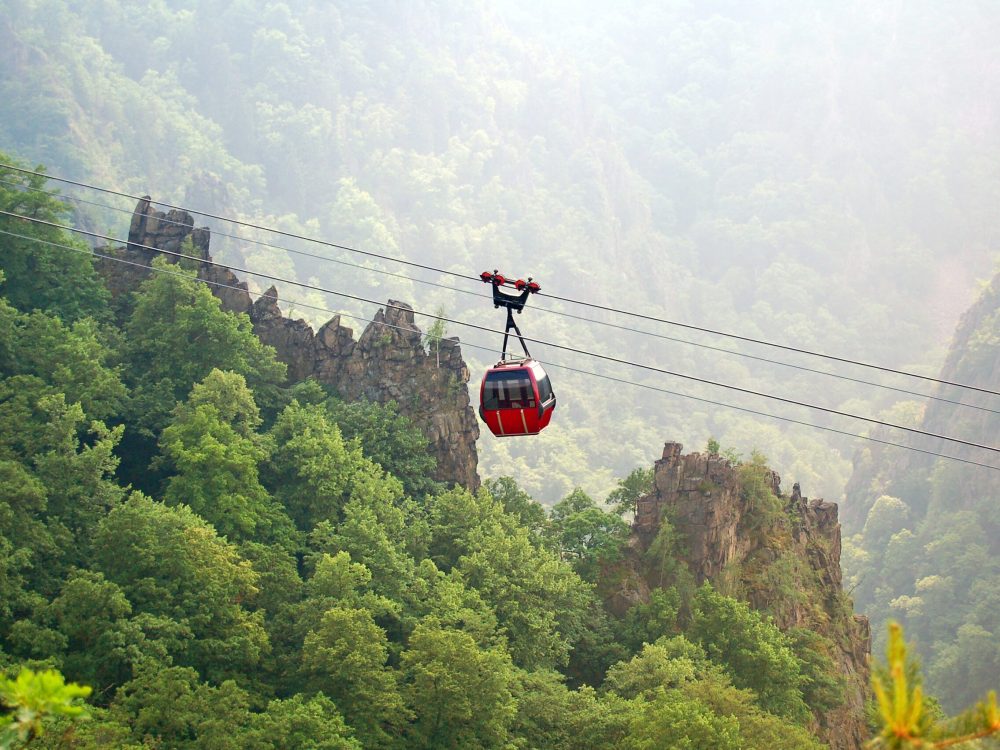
x=512, y=303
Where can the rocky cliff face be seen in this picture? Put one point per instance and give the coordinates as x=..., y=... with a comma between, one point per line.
x=784, y=561
x=973, y=359
x=388, y=362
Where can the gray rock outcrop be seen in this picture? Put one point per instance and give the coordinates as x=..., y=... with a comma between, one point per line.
x=387, y=363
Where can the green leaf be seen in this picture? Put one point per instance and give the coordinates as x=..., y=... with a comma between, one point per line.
x=34, y=698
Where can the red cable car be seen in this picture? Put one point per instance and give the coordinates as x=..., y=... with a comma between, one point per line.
x=515, y=397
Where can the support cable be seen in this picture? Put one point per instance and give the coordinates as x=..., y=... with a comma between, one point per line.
x=567, y=368
x=595, y=355
x=547, y=310
x=569, y=300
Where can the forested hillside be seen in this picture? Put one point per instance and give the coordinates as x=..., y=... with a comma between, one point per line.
x=821, y=175
x=261, y=581
x=925, y=534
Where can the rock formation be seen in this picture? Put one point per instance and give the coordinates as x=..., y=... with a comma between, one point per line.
x=973, y=359
x=388, y=362
x=736, y=545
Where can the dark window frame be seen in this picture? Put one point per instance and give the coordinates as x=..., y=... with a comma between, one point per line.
x=497, y=392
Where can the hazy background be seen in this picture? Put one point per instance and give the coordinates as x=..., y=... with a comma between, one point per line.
x=819, y=174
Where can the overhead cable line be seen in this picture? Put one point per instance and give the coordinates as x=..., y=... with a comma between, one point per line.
x=248, y=224
x=262, y=243
x=595, y=355
x=296, y=303
x=592, y=305
x=550, y=311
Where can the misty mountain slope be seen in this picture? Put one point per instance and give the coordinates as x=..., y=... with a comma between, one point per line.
x=925, y=534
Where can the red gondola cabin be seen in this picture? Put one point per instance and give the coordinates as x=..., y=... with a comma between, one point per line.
x=516, y=398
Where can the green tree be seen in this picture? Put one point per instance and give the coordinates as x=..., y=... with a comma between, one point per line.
x=758, y=728
x=585, y=535
x=314, y=472
x=34, y=699
x=389, y=439
x=975, y=652
x=57, y=480
x=212, y=446
x=646, y=622
x=375, y=535
x=674, y=672
x=669, y=718
x=73, y=359
x=434, y=335
x=756, y=492
x=89, y=613
x=887, y=516
x=176, y=335
x=172, y=564
x=551, y=715
x=823, y=687
x=174, y=708
x=336, y=582
x=667, y=663
x=312, y=722
x=37, y=275
x=446, y=599
x=454, y=517
x=345, y=658
x=518, y=503
x=754, y=652
x=623, y=498
x=459, y=695
x=541, y=604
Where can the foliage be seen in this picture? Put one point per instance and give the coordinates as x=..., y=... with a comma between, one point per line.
x=668, y=718
x=298, y=721
x=647, y=622
x=670, y=662
x=34, y=698
x=172, y=707
x=585, y=535
x=538, y=599
x=171, y=564
x=345, y=658
x=755, y=653
x=44, y=268
x=764, y=508
x=550, y=715
x=314, y=472
x=520, y=504
x=390, y=440
x=664, y=558
x=699, y=702
x=214, y=450
x=459, y=695
x=904, y=715
x=435, y=333
x=72, y=359
x=176, y=335
x=623, y=498
x=823, y=688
